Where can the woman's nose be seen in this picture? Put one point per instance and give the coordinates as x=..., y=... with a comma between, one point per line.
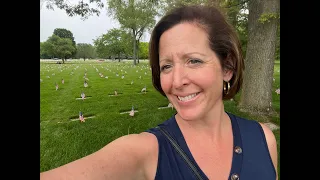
x=180, y=77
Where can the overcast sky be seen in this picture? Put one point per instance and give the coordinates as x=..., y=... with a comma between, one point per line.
x=83, y=31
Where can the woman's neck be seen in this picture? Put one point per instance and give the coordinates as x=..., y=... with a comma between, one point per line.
x=212, y=126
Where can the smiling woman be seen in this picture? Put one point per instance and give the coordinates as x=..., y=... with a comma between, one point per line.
x=196, y=62
x=190, y=72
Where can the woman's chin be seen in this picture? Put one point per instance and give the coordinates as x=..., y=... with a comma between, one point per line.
x=187, y=115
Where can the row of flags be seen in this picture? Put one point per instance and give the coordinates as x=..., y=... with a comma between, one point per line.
x=85, y=84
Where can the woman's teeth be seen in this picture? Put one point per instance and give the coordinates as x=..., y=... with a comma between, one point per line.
x=186, y=98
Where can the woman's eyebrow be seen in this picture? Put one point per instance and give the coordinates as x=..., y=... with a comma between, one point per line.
x=183, y=56
x=164, y=60
x=191, y=53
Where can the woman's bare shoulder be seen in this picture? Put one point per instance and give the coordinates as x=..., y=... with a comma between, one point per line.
x=272, y=144
x=145, y=143
x=149, y=138
x=137, y=139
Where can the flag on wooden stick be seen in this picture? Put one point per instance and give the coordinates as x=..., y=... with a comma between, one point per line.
x=81, y=118
x=144, y=89
x=83, y=96
x=132, y=112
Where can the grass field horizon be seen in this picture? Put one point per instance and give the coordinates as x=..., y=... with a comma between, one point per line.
x=64, y=139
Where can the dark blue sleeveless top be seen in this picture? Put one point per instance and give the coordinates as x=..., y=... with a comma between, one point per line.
x=251, y=158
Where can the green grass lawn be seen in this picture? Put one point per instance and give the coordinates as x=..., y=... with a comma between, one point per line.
x=63, y=140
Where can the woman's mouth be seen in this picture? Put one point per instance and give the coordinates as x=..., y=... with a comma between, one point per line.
x=188, y=97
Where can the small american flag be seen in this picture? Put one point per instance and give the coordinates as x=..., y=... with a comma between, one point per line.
x=83, y=96
x=81, y=118
x=132, y=112
x=144, y=89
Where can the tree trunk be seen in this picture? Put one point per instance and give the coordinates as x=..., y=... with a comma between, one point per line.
x=119, y=57
x=256, y=95
x=137, y=47
x=134, y=47
x=213, y=2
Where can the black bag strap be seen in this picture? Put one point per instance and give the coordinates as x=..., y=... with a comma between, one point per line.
x=181, y=152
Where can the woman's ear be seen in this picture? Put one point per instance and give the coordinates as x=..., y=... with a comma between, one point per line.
x=227, y=69
x=227, y=75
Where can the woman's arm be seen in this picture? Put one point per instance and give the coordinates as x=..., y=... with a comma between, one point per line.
x=272, y=145
x=123, y=158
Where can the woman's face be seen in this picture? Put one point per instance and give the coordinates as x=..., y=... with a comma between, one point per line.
x=191, y=74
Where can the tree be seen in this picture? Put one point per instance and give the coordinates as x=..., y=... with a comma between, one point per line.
x=58, y=47
x=278, y=44
x=137, y=16
x=168, y=5
x=114, y=43
x=84, y=51
x=43, y=53
x=48, y=46
x=144, y=50
x=237, y=13
x=256, y=96
x=82, y=9
x=64, y=33
x=101, y=49
x=64, y=48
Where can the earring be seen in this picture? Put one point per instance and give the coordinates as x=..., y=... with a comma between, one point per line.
x=226, y=87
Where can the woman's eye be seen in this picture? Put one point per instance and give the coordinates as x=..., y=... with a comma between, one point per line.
x=195, y=61
x=164, y=67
